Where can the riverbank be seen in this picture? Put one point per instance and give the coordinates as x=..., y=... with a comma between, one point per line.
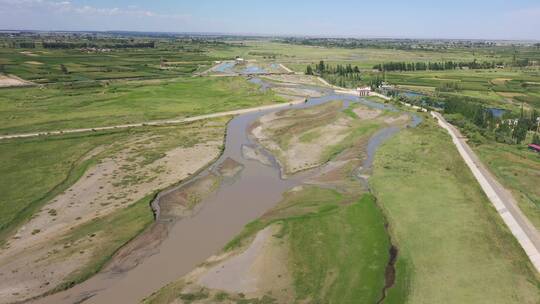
x=453, y=244
x=309, y=216
x=507, y=207
x=72, y=234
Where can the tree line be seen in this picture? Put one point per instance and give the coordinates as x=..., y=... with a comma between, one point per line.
x=435, y=66
x=341, y=75
x=478, y=120
x=78, y=45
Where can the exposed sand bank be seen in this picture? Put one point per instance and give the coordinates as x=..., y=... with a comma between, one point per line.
x=35, y=257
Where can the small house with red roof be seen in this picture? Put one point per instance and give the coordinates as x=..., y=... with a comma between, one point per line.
x=534, y=147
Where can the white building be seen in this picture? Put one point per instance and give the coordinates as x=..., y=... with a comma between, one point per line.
x=363, y=91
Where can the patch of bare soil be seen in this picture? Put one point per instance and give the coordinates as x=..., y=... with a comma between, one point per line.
x=397, y=120
x=285, y=134
x=298, y=92
x=255, y=271
x=230, y=168
x=12, y=81
x=500, y=81
x=510, y=94
x=366, y=113
x=296, y=79
x=339, y=172
x=255, y=154
x=137, y=250
x=34, y=62
x=30, y=263
x=28, y=53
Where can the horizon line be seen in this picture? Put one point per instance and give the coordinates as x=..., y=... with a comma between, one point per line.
x=270, y=35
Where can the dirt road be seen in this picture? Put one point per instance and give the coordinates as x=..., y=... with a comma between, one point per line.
x=151, y=123
x=503, y=201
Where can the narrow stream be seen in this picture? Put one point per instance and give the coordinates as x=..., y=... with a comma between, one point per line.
x=219, y=218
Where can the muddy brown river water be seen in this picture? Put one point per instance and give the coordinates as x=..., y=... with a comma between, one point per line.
x=218, y=219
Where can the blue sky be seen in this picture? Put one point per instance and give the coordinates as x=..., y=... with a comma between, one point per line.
x=484, y=19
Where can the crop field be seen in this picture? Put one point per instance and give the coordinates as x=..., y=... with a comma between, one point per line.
x=298, y=56
x=65, y=107
x=504, y=88
x=44, y=65
x=453, y=245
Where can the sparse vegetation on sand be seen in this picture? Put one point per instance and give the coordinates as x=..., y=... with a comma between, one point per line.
x=306, y=138
x=454, y=247
x=61, y=232
x=331, y=239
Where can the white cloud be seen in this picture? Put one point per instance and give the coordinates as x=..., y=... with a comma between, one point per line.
x=67, y=7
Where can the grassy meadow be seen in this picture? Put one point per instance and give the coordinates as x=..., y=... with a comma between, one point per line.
x=36, y=170
x=517, y=168
x=454, y=248
x=65, y=107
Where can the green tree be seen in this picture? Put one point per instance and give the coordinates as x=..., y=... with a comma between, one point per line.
x=64, y=69
x=309, y=70
x=536, y=139
x=321, y=67
x=520, y=131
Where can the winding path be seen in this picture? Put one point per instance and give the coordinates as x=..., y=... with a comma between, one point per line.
x=503, y=201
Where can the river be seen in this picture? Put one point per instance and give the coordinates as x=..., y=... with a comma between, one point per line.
x=219, y=218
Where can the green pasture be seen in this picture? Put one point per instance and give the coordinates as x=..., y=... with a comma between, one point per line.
x=67, y=107
x=454, y=247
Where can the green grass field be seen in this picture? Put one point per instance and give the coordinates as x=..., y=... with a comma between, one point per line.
x=297, y=56
x=36, y=170
x=339, y=257
x=43, y=65
x=34, y=109
x=518, y=169
x=495, y=87
x=454, y=248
